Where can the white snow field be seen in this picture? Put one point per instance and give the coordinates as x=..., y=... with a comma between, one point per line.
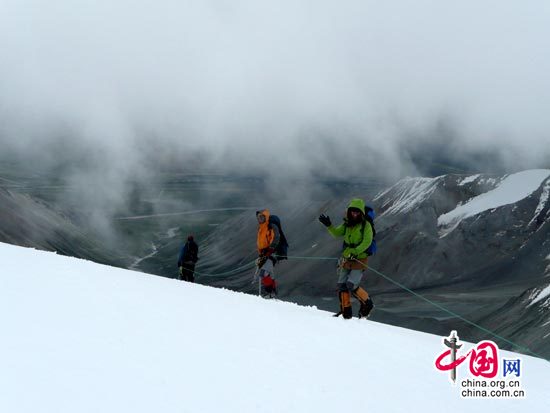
x=408, y=194
x=512, y=189
x=81, y=337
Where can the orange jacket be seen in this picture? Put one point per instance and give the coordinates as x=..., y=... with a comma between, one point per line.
x=266, y=235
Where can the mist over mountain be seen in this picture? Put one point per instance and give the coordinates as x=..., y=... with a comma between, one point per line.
x=31, y=222
x=109, y=95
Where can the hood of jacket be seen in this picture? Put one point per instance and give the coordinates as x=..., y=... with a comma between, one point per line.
x=265, y=213
x=357, y=203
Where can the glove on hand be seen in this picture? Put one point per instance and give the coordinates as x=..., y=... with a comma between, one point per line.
x=325, y=220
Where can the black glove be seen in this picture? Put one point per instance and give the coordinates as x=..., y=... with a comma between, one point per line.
x=325, y=220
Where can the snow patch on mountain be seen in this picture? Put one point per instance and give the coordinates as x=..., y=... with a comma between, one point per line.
x=542, y=202
x=172, y=232
x=541, y=295
x=408, y=193
x=137, y=261
x=489, y=181
x=468, y=180
x=510, y=190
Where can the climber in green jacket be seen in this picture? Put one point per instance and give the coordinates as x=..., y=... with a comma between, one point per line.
x=357, y=232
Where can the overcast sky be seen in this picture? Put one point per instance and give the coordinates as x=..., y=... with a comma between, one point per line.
x=330, y=85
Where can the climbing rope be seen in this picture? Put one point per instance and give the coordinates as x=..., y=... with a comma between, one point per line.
x=227, y=273
x=452, y=313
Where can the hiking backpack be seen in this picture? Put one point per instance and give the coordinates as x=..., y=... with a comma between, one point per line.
x=191, y=252
x=282, y=248
x=369, y=217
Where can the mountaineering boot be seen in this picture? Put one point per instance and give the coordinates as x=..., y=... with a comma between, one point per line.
x=366, y=309
x=366, y=302
x=345, y=304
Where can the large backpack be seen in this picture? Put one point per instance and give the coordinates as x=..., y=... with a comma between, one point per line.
x=282, y=248
x=369, y=217
x=191, y=252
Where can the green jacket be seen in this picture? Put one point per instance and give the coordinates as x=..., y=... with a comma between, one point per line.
x=354, y=235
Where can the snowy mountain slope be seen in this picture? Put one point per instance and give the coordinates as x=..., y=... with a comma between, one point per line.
x=486, y=222
x=82, y=337
x=510, y=190
x=407, y=194
x=540, y=295
x=483, y=237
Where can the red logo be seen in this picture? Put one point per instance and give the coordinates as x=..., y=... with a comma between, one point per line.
x=483, y=358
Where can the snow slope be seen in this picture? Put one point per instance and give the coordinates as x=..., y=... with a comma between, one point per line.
x=512, y=189
x=545, y=292
x=544, y=196
x=408, y=194
x=82, y=337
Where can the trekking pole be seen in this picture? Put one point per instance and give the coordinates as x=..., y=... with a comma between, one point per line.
x=259, y=281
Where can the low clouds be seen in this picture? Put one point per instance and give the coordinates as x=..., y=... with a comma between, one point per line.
x=328, y=87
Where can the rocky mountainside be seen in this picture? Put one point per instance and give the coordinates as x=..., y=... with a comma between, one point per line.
x=477, y=245
x=31, y=222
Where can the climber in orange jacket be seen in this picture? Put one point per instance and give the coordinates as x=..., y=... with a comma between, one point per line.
x=267, y=241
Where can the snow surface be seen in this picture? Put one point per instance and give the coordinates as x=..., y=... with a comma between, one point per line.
x=512, y=189
x=408, y=193
x=83, y=337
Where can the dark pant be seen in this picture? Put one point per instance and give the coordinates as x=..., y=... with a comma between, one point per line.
x=187, y=272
